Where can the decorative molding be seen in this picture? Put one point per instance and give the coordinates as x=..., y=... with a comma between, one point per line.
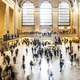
x=11, y=3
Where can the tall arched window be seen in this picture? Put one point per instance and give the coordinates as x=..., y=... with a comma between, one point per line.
x=64, y=14
x=45, y=13
x=79, y=6
x=28, y=13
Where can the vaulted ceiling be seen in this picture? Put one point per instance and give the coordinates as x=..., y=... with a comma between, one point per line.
x=20, y=2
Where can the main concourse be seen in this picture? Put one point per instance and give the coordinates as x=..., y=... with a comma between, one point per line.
x=39, y=39
x=41, y=71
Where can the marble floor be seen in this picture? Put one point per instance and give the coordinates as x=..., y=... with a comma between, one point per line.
x=69, y=72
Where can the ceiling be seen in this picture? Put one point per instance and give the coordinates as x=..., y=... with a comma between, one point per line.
x=20, y=2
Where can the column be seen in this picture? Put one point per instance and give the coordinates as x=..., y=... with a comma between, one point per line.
x=20, y=22
x=2, y=19
x=79, y=18
x=11, y=21
x=55, y=4
x=15, y=19
x=76, y=16
x=37, y=19
x=7, y=17
x=71, y=19
x=55, y=18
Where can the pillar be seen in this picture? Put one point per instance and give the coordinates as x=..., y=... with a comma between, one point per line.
x=71, y=19
x=37, y=19
x=7, y=17
x=79, y=18
x=55, y=18
x=15, y=19
x=19, y=22
x=11, y=21
x=2, y=19
x=55, y=4
x=75, y=14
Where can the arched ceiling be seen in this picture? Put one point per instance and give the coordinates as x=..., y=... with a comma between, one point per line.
x=20, y=2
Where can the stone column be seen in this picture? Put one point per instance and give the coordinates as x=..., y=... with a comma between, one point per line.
x=71, y=19
x=55, y=4
x=37, y=19
x=79, y=18
x=20, y=20
x=55, y=18
x=15, y=18
x=75, y=16
x=7, y=17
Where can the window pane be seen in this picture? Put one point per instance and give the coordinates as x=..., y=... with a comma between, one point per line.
x=45, y=13
x=64, y=17
x=28, y=13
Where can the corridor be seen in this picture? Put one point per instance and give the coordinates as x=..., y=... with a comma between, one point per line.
x=41, y=72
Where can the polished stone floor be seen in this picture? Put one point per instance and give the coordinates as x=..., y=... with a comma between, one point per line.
x=69, y=72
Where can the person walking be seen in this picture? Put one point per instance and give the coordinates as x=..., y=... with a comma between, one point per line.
x=14, y=60
x=0, y=72
x=31, y=64
x=61, y=64
x=23, y=66
x=16, y=52
x=23, y=59
x=71, y=59
x=77, y=61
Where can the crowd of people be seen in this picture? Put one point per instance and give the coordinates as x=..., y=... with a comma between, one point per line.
x=39, y=50
x=74, y=57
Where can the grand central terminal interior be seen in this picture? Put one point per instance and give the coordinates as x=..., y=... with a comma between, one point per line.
x=39, y=39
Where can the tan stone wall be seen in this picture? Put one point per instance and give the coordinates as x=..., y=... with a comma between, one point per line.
x=2, y=19
x=11, y=21
x=28, y=29
x=55, y=4
x=10, y=17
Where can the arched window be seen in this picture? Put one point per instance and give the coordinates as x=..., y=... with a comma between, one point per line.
x=45, y=13
x=64, y=14
x=28, y=13
x=79, y=5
